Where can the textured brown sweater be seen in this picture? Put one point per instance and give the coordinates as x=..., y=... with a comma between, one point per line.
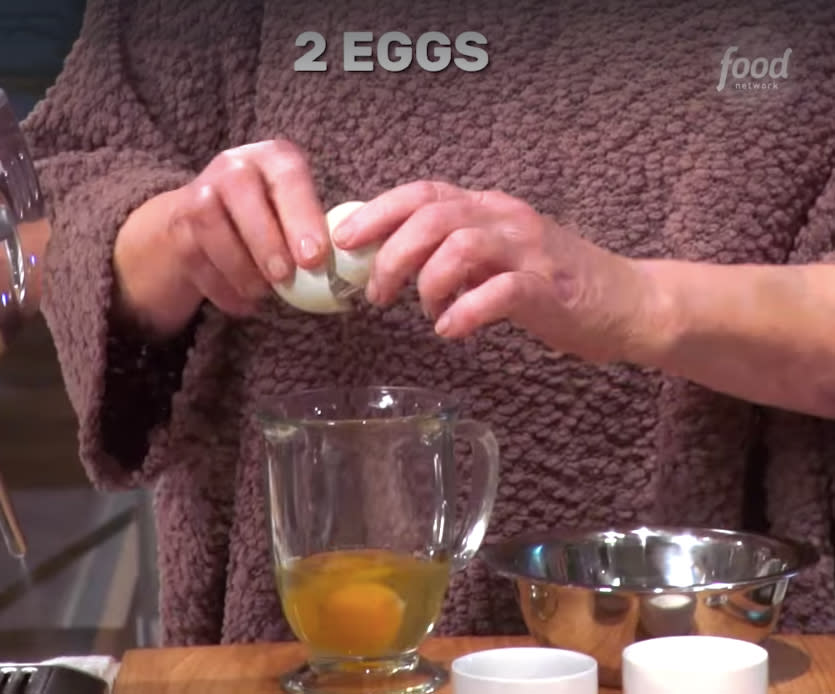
x=610, y=119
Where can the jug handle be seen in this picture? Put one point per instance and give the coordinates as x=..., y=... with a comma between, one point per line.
x=484, y=485
x=14, y=253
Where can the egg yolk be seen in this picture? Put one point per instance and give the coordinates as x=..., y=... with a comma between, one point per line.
x=361, y=618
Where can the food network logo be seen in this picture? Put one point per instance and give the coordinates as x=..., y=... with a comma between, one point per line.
x=759, y=73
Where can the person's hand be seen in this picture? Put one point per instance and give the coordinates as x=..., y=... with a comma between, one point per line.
x=241, y=225
x=481, y=257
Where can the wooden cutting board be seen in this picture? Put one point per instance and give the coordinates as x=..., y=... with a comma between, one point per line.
x=799, y=665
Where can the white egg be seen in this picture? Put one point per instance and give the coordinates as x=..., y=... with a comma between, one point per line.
x=353, y=266
x=310, y=290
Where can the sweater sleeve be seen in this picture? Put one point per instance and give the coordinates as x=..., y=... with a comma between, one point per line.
x=816, y=240
x=799, y=455
x=99, y=155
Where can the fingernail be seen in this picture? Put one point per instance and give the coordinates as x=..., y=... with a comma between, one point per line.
x=342, y=235
x=371, y=292
x=309, y=248
x=443, y=324
x=277, y=267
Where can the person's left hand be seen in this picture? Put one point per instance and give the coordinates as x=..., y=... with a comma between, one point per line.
x=485, y=256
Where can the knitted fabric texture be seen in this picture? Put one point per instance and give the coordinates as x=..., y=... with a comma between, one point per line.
x=608, y=119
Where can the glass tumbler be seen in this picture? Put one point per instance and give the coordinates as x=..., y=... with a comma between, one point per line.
x=362, y=490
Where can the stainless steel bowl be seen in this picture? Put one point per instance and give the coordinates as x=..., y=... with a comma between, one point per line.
x=598, y=591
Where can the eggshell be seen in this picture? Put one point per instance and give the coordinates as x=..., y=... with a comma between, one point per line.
x=353, y=266
x=310, y=291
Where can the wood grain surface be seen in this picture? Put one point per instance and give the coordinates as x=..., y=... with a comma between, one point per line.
x=799, y=665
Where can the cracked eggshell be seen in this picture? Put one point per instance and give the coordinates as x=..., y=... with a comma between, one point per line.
x=352, y=266
x=310, y=291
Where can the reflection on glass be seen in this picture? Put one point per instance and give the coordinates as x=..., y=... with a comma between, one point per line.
x=24, y=232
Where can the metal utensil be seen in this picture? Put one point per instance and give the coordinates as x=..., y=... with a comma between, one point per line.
x=24, y=232
x=598, y=591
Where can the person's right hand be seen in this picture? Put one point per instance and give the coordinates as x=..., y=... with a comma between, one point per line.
x=241, y=225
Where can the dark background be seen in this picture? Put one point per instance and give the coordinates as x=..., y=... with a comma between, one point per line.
x=35, y=37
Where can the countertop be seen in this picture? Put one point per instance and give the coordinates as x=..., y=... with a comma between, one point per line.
x=799, y=665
